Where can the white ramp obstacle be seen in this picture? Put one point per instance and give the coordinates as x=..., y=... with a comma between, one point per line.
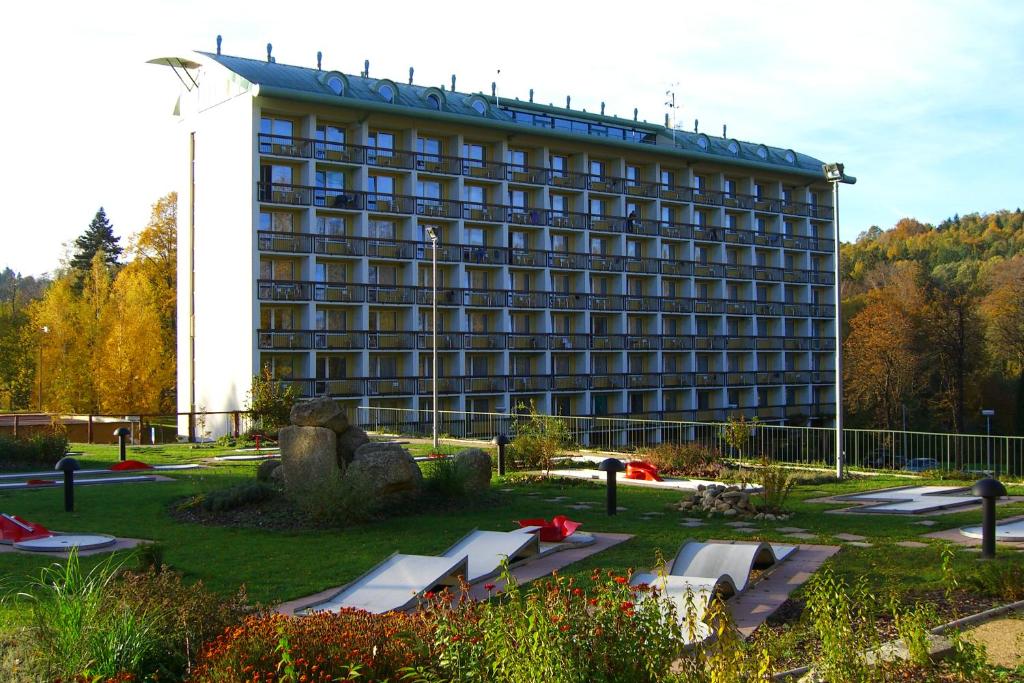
x=911, y=499
x=485, y=551
x=701, y=571
x=50, y=473
x=51, y=483
x=1007, y=532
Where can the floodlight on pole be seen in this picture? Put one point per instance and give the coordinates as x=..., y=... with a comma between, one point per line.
x=432, y=234
x=45, y=330
x=988, y=413
x=834, y=174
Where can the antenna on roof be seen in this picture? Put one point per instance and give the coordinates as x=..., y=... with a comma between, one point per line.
x=602, y=109
x=366, y=68
x=453, y=82
x=695, y=125
x=319, y=59
x=410, y=75
x=723, y=131
x=531, y=94
x=670, y=115
x=494, y=89
x=270, y=48
x=568, y=101
x=219, y=39
x=636, y=113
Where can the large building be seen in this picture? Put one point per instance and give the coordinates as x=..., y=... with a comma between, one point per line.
x=592, y=264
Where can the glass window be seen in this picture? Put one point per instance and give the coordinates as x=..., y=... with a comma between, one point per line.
x=428, y=189
x=730, y=187
x=276, y=221
x=387, y=93
x=329, y=133
x=666, y=214
x=518, y=159
x=334, y=180
x=381, y=140
x=276, y=318
x=517, y=199
x=596, y=168
x=276, y=127
x=474, y=152
x=476, y=279
x=520, y=323
x=560, y=323
x=518, y=239
x=428, y=146
x=474, y=194
x=382, y=230
x=520, y=281
x=559, y=243
x=476, y=237
x=668, y=178
x=383, y=275
x=559, y=204
x=331, y=272
x=559, y=164
x=633, y=249
x=698, y=182
x=600, y=363
x=632, y=174
x=598, y=246
x=382, y=184
x=330, y=225
x=597, y=207
x=331, y=319
x=560, y=283
x=599, y=324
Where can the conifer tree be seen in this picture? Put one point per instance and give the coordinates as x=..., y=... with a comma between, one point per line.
x=99, y=236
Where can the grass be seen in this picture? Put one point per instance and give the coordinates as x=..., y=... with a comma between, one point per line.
x=277, y=566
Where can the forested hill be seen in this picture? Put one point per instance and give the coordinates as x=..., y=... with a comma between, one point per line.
x=962, y=249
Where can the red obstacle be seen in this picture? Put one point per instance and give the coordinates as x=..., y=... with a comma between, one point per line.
x=14, y=529
x=130, y=465
x=557, y=530
x=639, y=469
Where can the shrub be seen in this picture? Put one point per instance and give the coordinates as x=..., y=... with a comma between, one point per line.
x=842, y=617
x=233, y=497
x=444, y=478
x=338, y=501
x=539, y=439
x=684, y=460
x=738, y=432
x=325, y=646
x=776, y=484
x=270, y=401
x=1000, y=580
x=40, y=450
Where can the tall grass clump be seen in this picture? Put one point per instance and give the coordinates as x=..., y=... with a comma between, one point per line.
x=444, y=478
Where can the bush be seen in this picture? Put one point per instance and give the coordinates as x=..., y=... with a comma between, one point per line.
x=337, y=502
x=233, y=497
x=539, y=439
x=270, y=402
x=684, y=460
x=325, y=646
x=1000, y=580
x=776, y=484
x=444, y=478
x=40, y=450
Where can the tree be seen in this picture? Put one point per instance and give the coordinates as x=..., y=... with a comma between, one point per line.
x=99, y=236
x=1003, y=312
x=270, y=402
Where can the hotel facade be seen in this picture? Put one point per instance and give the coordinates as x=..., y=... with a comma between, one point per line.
x=590, y=264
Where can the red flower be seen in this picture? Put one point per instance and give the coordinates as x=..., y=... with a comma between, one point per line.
x=626, y=606
x=621, y=580
x=592, y=601
x=488, y=587
x=577, y=592
x=429, y=595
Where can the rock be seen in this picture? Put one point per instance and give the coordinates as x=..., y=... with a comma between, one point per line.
x=277, y=475
x=475, y=463
x=731, y=512
x=349, y=442
x=384, y=470
x=266, y=470
x=733, y=495
x=319, y=412
x=309, y=457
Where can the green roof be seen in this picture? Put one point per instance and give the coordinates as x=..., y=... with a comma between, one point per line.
x=296, y=82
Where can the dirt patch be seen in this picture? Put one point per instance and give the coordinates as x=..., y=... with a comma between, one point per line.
x=1003, y=640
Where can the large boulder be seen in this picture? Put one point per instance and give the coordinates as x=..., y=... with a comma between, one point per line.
x=266, y=469
x=320, y=412
x=475, y=465
x=309, y=457
x=384, y=471
x=349, y=442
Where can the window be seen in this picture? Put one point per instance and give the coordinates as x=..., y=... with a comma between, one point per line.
x=329, y=138
x=476, y=321
x=600, y=405
x=559, y=243
x=476, y=237
x=702, y=290
x=277, y=318
x=334, y=180
x=762, y=293
x=517, y=158
x=734, y=147
x=476, y=279
x=560, y=323
x=520, y=281
x=599, y=284
x=331, y=272
x=276, y=174
x=698, y=218
x=698, y=182
x=276, y=221
x=381, y=140
x=386, y=92
x=762, y=225
x=383, y=366
x=636, y=363
x=428, y=189
x=520, y=323
x=278, y=128
x=597, y=207
x=730, y=187
x=668, y=179
x=702, y=326
x=429, y=147
x=330, y=225
x=479, y=106
x=598, y=246
x=474, y=194
x=475, y=153
x=599, y=324
x=600, y=364
x=559, y=165
x=597, y=168
x=383, y=275
x=632, y=175
x=758, y=191
x=560, y=364
x=433, y=101
x=635, y=325
x=382, y=230
x=517, y=198
x=277, y=269
x=382, y=184
x=331, y=367
x=478, y=366
x=522, y=365
x=518, y=239
x=383, y=321
x=634, y=286
x=426, y=273
x=560, y=283
x=703, y=363
x=559, y=204
x=331, y=320
x=336, y=85
x=666, y=215
x=733, y=326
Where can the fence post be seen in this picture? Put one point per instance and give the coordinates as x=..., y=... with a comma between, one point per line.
x=89, y=430
x=15, y=425
x=191, y=427
x=236, y=427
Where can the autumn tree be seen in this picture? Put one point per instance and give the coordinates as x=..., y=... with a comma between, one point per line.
x=1002, y=310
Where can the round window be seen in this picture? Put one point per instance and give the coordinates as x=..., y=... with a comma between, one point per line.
x=702, y=141
x=790, y=156
x=734, y=147
x=336, y=85
x=387, y=93
x=762, y=152
x=433, y=101
x=479, y=107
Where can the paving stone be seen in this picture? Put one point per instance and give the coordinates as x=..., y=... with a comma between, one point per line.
x=912, y=544
x=581, y=507
x=850, y=537
x=927, y=522
x=654, y=514
x=861, y=544
x=745, y=530
x=802, y=536
x=791, y=530
x=738, y=524
x=691, y=523
x=506, y=490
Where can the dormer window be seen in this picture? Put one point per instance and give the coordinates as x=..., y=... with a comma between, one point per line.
x=762, y=151
x=734, y=147
x=702, y=141
x=790, y=156
x=479, y=106
x=433, y=101
x=334, y=81
x=386, y=92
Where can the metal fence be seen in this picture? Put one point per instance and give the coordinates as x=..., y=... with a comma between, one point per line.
x=862, y=448
x=146, y=429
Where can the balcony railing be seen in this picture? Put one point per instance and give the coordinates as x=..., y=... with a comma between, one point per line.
x=283, y=339
x=389, y=294
x=520, y=383
x=391, y=341
x=570, y=382
x=486, y=385
x=481, y=341
x=390, y=386
x=527, y=342
x=445, y=341
x=332, y=340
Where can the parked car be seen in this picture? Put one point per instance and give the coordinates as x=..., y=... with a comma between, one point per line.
x=922, y=465
x=884, y=458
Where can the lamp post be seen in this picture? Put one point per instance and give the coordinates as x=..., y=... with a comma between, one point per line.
x=432, y=234
x=45, y=330
x=834, y=174
x=988, y=413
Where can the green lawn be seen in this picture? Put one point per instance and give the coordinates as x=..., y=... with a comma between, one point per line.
x=277, y=566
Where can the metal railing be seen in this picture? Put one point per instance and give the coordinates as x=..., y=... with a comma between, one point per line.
x=812, y=446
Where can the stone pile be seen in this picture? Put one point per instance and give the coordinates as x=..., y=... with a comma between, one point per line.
x=728, y=501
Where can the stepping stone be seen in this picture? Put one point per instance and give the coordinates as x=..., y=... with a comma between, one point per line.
x=861, y=544
x=802, y=536
x=912, y=544
x=745, y=530
x=691, y=523
x=653, y=514
x=580, y=507
x=927, y=522
x=559, y=499
x=788, y=530
x=506, y=490
x=738, y=524
x=850, y=537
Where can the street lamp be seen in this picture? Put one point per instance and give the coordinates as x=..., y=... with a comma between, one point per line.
x=988, y=413
x=835, y=175
x=432, y=234
x=45, y=330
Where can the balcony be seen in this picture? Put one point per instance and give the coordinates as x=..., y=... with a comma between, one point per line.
x=482, y=341
x=605, y=302
x=567, y=179
x=709, y=197
x=485, y=170
x=279, y=340
x=606, y=382
x=445, y=385
x=568, y=342
x=269, y=290
x=769, y=378
x=337, y=198
x=676, y=343
x=641, y=226
x=676, y=380
x=708, y=343
x=278, y=193
x=334, y=340
x=474, y=211
x=642, y=342
x=736, y=272
x=605, y=184
x=483, y=297
x=769, y=343
x=567, y=301
x=285, y=242
x=490, y=256
x=527, y=299
x=642, y=304
x=390, y=158
x=643, y=381
x=390, y=341
x=377, y=294
x=524, y=383
x=715, y=270
x=483, y=385
x=647, y=266
x=607, y=263
x=445, y=342
x=707, y=307
x=284, y=146
x=332, y=387
x=521, y=215
x=733, y=343
x=676, y=305
x=567, y=261
x=606, y=223
x=740, y=379
x=446, y=296
x=340, y=293
x=435, y=163
x=338, y=245
x=675, y=267
x=569, y=382
x=389, y=249
x=393, y=386
x=675, y=193
x=338, y=152
x=675, y=231
x=526, y=342
x=607, y=342
x=528, y=258
x=378, y=202
x=529, y=175
x=438, y=208
x=567, y=219
x=709, y=379
x=739, y=308
x=636, y=188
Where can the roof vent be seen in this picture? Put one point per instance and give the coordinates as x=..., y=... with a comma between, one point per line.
x=366, y=68
x=453, y=82
x=270, y=48
x=602, y=109
x=568, y=100
x=410, y=75
x=723, y=131
x=494, y=89
x=696, y=126
x=219, y=39
x=636, y=113
x=531, y=94
x=319, y=59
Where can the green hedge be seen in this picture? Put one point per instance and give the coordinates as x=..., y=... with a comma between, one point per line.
x=38, y=451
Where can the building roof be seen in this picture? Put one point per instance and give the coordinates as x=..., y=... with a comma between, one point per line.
x=284, y=80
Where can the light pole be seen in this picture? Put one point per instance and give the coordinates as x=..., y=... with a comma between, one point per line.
x=45, y=330
x=432, y=234
x=834, y=174
x=988, y=413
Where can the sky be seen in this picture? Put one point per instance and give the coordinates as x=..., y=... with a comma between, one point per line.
x=922, y=100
